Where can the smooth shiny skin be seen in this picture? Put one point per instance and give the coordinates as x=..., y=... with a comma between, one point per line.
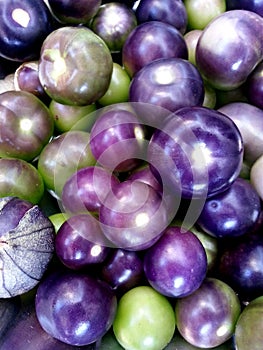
x=231, y=213
x=134, y=216
x=24, y=26
x=144, y=320
x=217, y=305
x=169, y=11
x=87, y=189
x=20, y=179
x=26, y=125
x=176, y=264
x=249, y=120
x=150, y=41
x=240, y=265
x=62, y=157
x=198, y=152
x=117, y=138
x=80, y=243
x=249, y=326
x=75, y=308
x=230, y=48
x=113, y=23
x=170, y=83
x=74, y=12
x=70, y=81
x=123, y=270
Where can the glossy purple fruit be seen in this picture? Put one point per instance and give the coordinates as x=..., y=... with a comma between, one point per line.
x=249, y=120
x=134, y=216
x=170, y=83
x=198, y=152
x=176, y=264
x=150, y=41
x=87, y=189
x=24, y=26
x=80, y=242
x=116, y=139
x=27, y=334
x=231, y=213
x=230, y=48
x=74, y=12
x=169, y=11
x=241, y=266
x=207, y=317
x=76, y=309
x=113, y=23
x=123, y=270
x=26, y=78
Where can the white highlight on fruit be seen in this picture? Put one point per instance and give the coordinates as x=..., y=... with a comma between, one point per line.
x=82, y=328
x=59, y=67
x=178, y=282
x=222, y=331
x=200, y=153
x=163, y=75
x=142, y=219
x=25, y=124
x=148, y=342
x=96, y=250
x=21, y=17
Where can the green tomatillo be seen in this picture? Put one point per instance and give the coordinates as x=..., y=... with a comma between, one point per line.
x=75, y=66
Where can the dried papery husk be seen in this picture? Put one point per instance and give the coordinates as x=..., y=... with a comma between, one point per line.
x=25, y=249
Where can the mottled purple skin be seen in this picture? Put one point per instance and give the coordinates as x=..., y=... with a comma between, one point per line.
x=207, y=317
x=75, y=308
x=198, y=153
x=87, y=188
x=250, y=5
x=80, y=243
x=254, y=85
x=249, y=120
x=150, y=41
x=122, y=270
x=22, y=41
x=170, y=83
x=113, y=23
x=27, y=79
x=225, y=60
x=169, y=11
x=74, y=12
x=134, y=216
x=176, y=264
x=27, y=334
x=241, y=265
x=231, y=213
x=115, y=139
